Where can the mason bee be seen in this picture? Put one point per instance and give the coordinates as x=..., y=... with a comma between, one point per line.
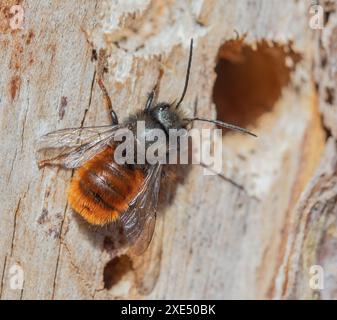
x=103, y=191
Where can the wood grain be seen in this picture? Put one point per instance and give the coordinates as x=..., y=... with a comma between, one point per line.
x=213, y=239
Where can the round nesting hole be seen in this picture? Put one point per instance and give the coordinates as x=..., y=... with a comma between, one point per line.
x=250, y=80
x=115, y=269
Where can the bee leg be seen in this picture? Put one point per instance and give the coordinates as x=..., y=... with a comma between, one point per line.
x=107, y=102
x=101, y=68
x=237, y=35
x=150, y=99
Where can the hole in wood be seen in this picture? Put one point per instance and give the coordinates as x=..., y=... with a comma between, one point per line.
x=115, y=269
x=250, y=81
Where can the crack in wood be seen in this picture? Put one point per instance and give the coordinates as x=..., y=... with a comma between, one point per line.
x=12, y=166
x=15, y=219
x=25, y=119
x=59, y=252
x=17, y=209
x=14, y=226
x=21, y=294
x=3, y=276
x=76, y=268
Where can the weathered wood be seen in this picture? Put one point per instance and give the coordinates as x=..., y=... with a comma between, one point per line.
x=213, y=239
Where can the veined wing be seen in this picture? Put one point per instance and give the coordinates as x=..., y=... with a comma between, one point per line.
x=72, y=147
x=139, y=221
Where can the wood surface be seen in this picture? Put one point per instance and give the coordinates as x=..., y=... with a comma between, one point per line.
x=257, y=64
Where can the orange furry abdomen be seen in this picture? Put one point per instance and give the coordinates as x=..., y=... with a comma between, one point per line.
x=101, y=190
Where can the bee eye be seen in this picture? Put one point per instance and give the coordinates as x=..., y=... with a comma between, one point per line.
x=162, y=106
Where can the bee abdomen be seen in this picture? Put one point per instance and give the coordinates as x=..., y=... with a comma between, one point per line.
x=95, y=196
x=101, y=190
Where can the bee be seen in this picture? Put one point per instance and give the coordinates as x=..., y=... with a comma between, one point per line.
x=102, y=191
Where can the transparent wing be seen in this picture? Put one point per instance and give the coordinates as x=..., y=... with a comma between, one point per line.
x=139, y=221
x=70, y=148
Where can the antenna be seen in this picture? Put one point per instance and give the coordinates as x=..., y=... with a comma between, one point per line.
x=223, y=125
x=187, y=75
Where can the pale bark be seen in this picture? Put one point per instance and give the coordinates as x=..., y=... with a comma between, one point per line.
x=213, y=240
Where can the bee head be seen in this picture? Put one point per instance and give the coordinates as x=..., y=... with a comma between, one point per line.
x=167, y=116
